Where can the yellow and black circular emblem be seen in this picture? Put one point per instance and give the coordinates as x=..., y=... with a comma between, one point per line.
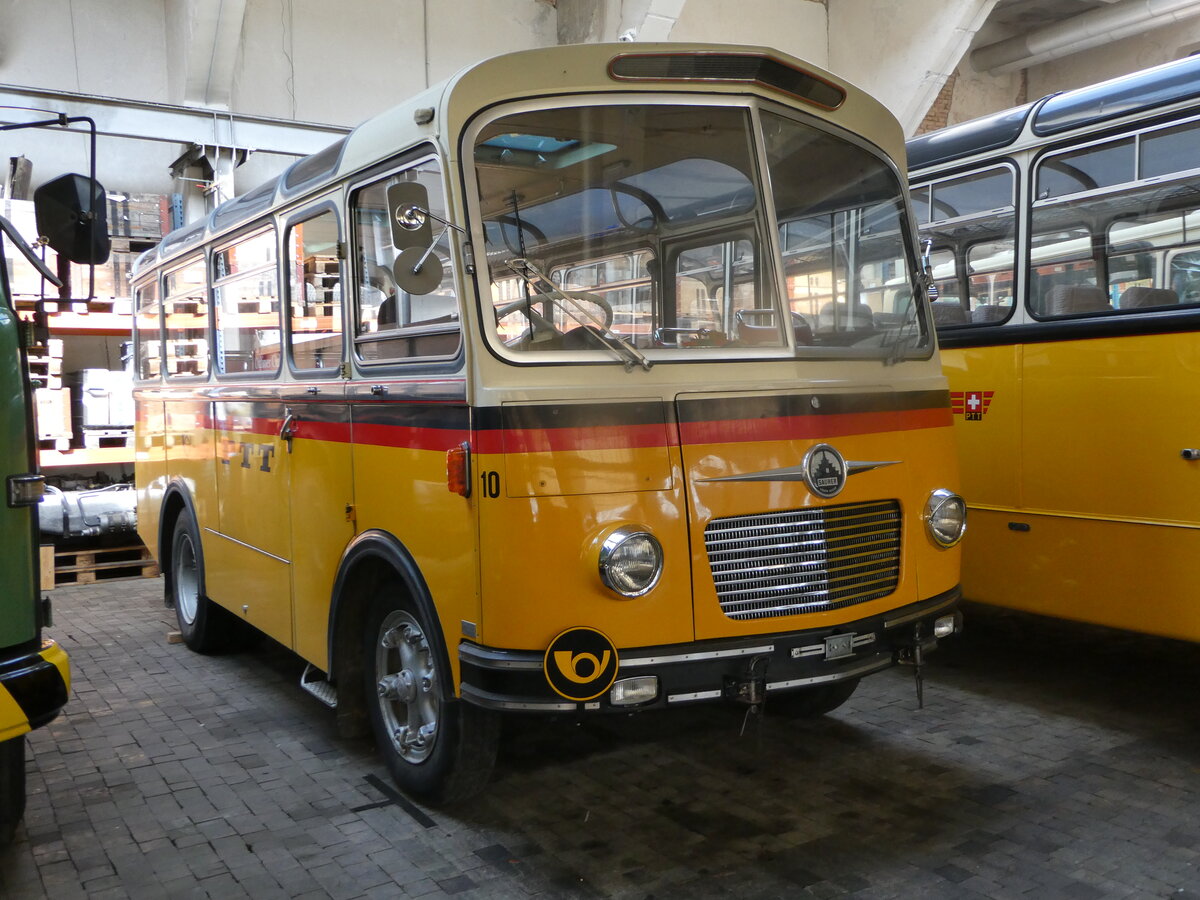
x=580, y=664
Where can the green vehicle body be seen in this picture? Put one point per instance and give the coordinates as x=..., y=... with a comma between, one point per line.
x=34, y=673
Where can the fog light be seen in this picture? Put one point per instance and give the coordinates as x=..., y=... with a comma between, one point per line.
x=945, y=626
x=25, y=490
x=945, y=517
x=632, y=691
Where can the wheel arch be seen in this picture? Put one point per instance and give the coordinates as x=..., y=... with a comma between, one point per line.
x=373, y=558
x=177, y=499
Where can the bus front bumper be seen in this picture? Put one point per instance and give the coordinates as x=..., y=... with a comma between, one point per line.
x=33, y=688
x=745, y=669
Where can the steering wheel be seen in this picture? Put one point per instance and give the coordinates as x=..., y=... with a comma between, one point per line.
x=539, y=322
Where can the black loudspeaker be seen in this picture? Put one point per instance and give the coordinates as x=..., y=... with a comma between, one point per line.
x=72, y=214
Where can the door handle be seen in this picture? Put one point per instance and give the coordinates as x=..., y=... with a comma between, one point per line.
x=287, y=430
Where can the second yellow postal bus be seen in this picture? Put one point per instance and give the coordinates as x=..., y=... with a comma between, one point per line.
x=1066, y=246
x=596, y=379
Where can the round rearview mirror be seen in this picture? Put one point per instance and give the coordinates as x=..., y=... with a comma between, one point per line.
x=411, y=218
x=415, y=275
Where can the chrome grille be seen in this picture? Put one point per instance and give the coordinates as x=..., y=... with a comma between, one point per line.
x=807, y=560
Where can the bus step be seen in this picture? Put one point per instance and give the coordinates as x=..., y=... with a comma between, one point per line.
x=314, y=682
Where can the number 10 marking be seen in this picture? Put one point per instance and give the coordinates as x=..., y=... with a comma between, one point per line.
x=489, y=483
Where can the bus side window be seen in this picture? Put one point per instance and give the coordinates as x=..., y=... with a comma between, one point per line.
x=391, y=323
x=246, y=305
x=1185, y=276
x=315, y=293
x=990, y=274
x=147, y=320
x=185, y=307
x=1062, y=269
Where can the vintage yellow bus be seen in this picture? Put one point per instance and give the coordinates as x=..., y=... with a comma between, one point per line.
x=599, y=378
x=1065, y=243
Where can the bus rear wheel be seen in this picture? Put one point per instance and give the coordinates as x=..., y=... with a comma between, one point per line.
x=12, y=787
x=436, y=748
x=809, y=703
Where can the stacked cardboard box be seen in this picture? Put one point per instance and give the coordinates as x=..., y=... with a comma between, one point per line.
x=143, y=217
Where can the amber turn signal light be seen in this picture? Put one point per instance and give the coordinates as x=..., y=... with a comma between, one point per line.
x=458, y=470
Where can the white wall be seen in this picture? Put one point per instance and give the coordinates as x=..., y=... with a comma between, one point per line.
x=342, y=63
x=902, y=53
x=307, y=60
x=798, y=27
x=113, y=47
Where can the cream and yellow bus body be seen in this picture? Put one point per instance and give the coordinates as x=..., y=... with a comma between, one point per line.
x=1075, y=405
x=486, y=483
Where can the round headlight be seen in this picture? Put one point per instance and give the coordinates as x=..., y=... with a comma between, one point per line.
x=630, y=561
x=945, y=517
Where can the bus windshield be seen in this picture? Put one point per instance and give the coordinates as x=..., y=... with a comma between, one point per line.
x=649, y=227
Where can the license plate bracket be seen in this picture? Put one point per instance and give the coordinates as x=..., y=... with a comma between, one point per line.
x=838, y=646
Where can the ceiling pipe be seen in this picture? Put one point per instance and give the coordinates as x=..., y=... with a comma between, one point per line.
x=1090, y=29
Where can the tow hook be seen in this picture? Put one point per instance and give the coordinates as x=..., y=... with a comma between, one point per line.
x=914, y=655
x=749, y=688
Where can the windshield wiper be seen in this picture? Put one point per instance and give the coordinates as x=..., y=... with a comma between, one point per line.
x=900, y=344
x=576, y=310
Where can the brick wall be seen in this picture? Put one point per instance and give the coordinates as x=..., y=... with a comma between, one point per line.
x=939, y=114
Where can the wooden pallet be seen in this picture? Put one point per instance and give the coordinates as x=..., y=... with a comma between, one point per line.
x=102, y=564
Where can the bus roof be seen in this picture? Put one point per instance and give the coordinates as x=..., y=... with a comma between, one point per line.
x=438, y=114
x=1140, y=92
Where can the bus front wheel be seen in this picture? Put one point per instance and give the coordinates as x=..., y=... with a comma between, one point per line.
x=12, y=786
x=437, y=748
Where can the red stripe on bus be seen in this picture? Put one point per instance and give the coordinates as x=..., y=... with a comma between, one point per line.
x=811, y=427
x=616, y=437
x=408, y=437
x=338, y=432
x=601, y=437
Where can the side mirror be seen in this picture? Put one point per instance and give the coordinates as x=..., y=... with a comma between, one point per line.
x=931, y=288
x=416, y=270
x=72, y=215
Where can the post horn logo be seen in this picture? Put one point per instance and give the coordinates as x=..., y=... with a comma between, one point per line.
x=580, y=664
x=824, y=471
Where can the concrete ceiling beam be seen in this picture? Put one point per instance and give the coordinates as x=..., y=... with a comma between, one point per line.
x=1104, y=25
x=208, y=35
x=144, y=121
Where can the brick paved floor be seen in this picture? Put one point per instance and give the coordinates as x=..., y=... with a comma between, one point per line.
x=1051, y=760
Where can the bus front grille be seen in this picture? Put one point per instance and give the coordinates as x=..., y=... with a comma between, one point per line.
x=808, y=560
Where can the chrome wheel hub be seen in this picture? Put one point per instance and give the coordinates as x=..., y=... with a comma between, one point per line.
x=406, y=684
x=187, y=581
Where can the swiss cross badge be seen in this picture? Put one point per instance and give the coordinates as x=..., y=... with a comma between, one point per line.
x=971, y=405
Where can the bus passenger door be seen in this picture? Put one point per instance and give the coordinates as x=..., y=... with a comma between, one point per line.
x=317, y=436
x=247, y=568
x=322, y=513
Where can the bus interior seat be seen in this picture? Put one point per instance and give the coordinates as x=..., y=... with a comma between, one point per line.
x=753, y=335
x=1071, y=299
x=845, y=317
x=990, y=312
x=386, y=315
x=948, y=312
x=801, y=329
x=1143, y=297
